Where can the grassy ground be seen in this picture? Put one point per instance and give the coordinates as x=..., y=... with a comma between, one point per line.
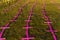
x=16, y=31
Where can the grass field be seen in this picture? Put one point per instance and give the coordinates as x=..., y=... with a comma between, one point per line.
x=39, y=28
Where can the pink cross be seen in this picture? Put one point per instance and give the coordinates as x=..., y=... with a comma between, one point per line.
x=26, y=27
x=54, y=31
x=12, y=20
x=4, y=27
x=27, y=20
x=48, y=22
x=15, y=16
x=28, y=38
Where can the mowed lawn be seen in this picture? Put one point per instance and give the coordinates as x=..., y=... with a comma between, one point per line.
x=39, y=28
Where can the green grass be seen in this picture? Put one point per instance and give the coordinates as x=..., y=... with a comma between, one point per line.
x=16, y=31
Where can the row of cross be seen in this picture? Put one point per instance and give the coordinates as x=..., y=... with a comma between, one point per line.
x=27, y=23
x=51, y=29
x=11, y=21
